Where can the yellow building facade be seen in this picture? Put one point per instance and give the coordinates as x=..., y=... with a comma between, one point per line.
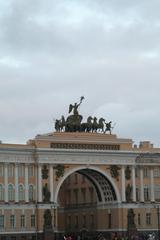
x=78, y=183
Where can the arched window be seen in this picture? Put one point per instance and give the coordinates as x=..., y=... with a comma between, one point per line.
x=21, y=193
x=31, y=193
x=1, y=193
x=10, y=192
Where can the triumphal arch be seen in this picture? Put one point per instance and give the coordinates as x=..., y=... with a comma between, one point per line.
x=80, y=180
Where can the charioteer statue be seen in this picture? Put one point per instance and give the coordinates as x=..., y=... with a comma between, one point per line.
x=74, y=107
x=73, y=122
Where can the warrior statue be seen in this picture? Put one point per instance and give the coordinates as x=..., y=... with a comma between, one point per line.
x=74, y=107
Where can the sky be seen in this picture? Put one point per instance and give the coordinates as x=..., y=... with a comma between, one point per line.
x=53, y=52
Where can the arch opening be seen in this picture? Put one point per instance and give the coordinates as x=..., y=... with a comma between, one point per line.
x=82, y=195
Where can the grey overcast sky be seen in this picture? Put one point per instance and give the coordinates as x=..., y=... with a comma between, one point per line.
x=54, y=51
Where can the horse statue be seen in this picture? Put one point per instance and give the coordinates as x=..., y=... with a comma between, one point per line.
x=94, y=125
x=101, y=124
x=86, y=126
x=60, y=124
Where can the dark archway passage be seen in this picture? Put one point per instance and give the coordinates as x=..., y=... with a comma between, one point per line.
x=80, y=199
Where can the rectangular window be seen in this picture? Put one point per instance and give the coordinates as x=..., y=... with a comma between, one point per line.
x=76, y=178
x=157, y=192
x=146, y=193
x=83, y=179
x=33, y=221
x=1, y=221
x=1, y=170
x=91, y=194
x=22, y=221
x=137, y=193
x=148, y=218
x=68, y=180
x=68, y=197
x=69, y=222
x=156, y=172
x=84, y=221
x=20, y=170
x=31, y=171
x=12, y=221
x=76, y=221
x=76, y=196
x=137, y=172
x=109, y=220
x=10, y=170
x=83, y=195
x=92, y=221
x=146, y=172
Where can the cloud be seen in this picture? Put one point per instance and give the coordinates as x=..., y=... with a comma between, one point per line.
x=53, y=52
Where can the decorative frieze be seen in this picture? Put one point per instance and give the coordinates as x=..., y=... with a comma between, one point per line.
x=86, y=146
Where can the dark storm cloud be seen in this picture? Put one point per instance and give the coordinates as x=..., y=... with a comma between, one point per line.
x=52, y=52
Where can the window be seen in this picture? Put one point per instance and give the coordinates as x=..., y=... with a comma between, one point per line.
x=137, y=194
x=1, y=193
x=156, y=172
x=109, y=220
x=31, y=193
x=76, y=221
x=83, y=179
x=69, y=180
x=148, y=218
x=83, y=195
x=33, y=221
x=31, y=171
x=20, y=170
x=146, y=193
x=10, y=170
x=1, y=170
x=76, y=178
x=157, y=192
x=23, y=222
x=1, y=221
x=84, y=220
x=91, y=195
x=137, y=172
x=139, y=219
x=68, y=196
x=92, y=220
x=10, y=192
x=12, y=221
x=69, y=221
x=21, y=193
x=76, y=195
x=145, y=172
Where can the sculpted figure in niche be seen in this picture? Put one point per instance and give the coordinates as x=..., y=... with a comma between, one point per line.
x=46, y=194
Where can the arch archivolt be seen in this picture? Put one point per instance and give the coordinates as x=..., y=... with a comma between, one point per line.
x=98, y=176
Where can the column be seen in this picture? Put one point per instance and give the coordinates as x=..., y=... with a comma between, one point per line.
x=152, y=185
x=141, y=185
x=16, y=182
x=123, y=184
x=6, y=182
x=39, y=183
x=51, y=181
x=133, y=184
x=26, y=183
